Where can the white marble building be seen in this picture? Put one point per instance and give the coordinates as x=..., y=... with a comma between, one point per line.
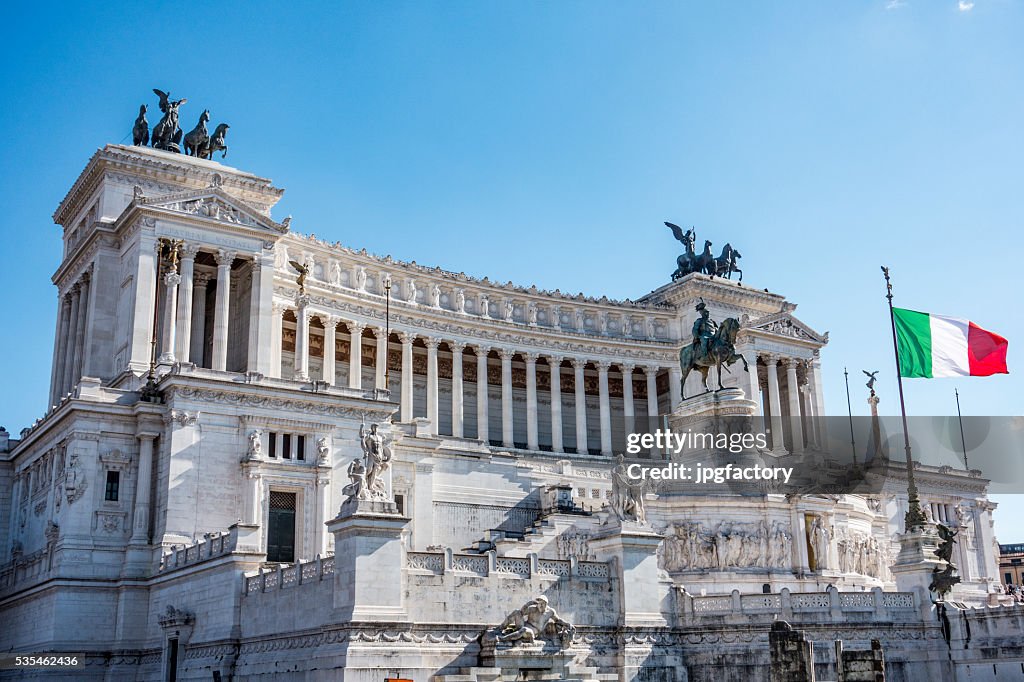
x=195, y=533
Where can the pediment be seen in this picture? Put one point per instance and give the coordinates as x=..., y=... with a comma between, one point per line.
x=215, y=204
x=786, y=325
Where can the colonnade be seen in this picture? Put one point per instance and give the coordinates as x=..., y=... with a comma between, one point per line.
x=799, y=419
x=70, y=343
x=558, y=367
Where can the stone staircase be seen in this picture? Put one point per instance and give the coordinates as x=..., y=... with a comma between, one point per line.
x=538, y=538
x=554, y=668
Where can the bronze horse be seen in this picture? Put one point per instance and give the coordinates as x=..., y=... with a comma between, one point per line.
x=721, y=351
x=199, y=138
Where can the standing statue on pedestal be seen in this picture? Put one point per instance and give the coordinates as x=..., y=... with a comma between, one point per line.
x=167, y=134
x=377, y=455
x=714, y=345
x=627, y=494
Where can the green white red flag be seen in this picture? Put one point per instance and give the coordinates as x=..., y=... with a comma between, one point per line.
x=940, y=346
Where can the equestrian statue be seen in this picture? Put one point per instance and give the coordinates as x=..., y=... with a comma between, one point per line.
x=713, y=345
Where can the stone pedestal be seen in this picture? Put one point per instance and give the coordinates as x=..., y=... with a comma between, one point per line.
x=368, y=561
x=716, y=408
x=915, y=563
x=643, y=596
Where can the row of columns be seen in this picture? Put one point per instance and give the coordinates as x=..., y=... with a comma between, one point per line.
x=69, y=344
x=184, y=311
x=802, y=401
x=301, y=371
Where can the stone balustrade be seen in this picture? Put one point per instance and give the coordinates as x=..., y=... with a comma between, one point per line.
x=285, y=576
x=830, y=605
x=214, y=545
x=490, y=564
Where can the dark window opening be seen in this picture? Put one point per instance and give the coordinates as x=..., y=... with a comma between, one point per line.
x=400, y=503
x=113, y=486
x=172, y=659
x=286, y=447
x=301, y=448
x=273, y=444
x=281, y=527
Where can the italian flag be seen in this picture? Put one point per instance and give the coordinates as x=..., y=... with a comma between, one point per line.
x=939, y=346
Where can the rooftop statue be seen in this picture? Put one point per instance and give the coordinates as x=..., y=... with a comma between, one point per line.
x=690, y=261
x=199, y=138
x=714, y=345
x=303, y=270
x=140, y=131
x=167, y=134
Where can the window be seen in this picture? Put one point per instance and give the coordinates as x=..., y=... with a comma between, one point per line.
x=272, y=450
x=400, y=503
x=172, y=659
x=286, y=445
x=113, y=486
x=281, y=527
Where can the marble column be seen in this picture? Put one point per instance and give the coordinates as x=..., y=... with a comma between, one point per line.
x=532, y=441
x=380, y=366
x=261, y=294
x=68, y=378
x=775, y=404
x=60, y=344
x=432, y=389
x=171, y=282
x=628, y=409
x=355, y=355
x=222, y=309
x=82, y=326
x=457, y=389
x=328, y=369
x=605, y=409
x=653, y=411
x=754, y=384
x=276, y=334
x=507, y=434
x=482, y=395
x=302, y=318
x=675, y=386
x=183, y=318
x=143, y=482
x=197, y=340
x=793, y=390
x=581, y=405
x=406, y=339
x=555, y=366
x=814, y=380
x=807, y=410
x=253, y=503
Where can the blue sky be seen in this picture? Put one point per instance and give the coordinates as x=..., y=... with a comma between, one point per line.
x=546, y=142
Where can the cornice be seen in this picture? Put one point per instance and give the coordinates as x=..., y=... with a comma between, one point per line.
x=174, y=169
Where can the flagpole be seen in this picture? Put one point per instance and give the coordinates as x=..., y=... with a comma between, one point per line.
x=963, y=442
x=849, y=410
x=914, y=518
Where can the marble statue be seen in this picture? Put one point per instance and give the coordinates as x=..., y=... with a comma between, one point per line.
x=360, y=278
x=485, y=306
x=820, y=541
x=323, y=451
x=627, y=495
x=410, y=287
x=334, y=273
x=435, y=296
x=255, y=444
x=510, y=308
x=460, y=301
x=377, y=456
x=536, y=620
x=356, y=489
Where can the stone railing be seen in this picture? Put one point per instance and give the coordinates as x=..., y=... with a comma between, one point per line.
x=490, y=564
x=238, y=538
x=832, y=603
x=292, y=575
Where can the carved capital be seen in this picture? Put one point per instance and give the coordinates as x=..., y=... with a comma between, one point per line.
x=651, y=370
x=457, y=347
x=506, y=354
x=189, y=250
x=225, y=258
x=626, y=368
x=480, y=349
x=603, y=366
x=406, y=338
x=792, y=363
x=354, y=328
x=431, y=342
x=201, y=279
x=378, y=331
x=172, y=279
x=770, y=359
x=579, y=364
x=530, y=358
x=554, y=360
